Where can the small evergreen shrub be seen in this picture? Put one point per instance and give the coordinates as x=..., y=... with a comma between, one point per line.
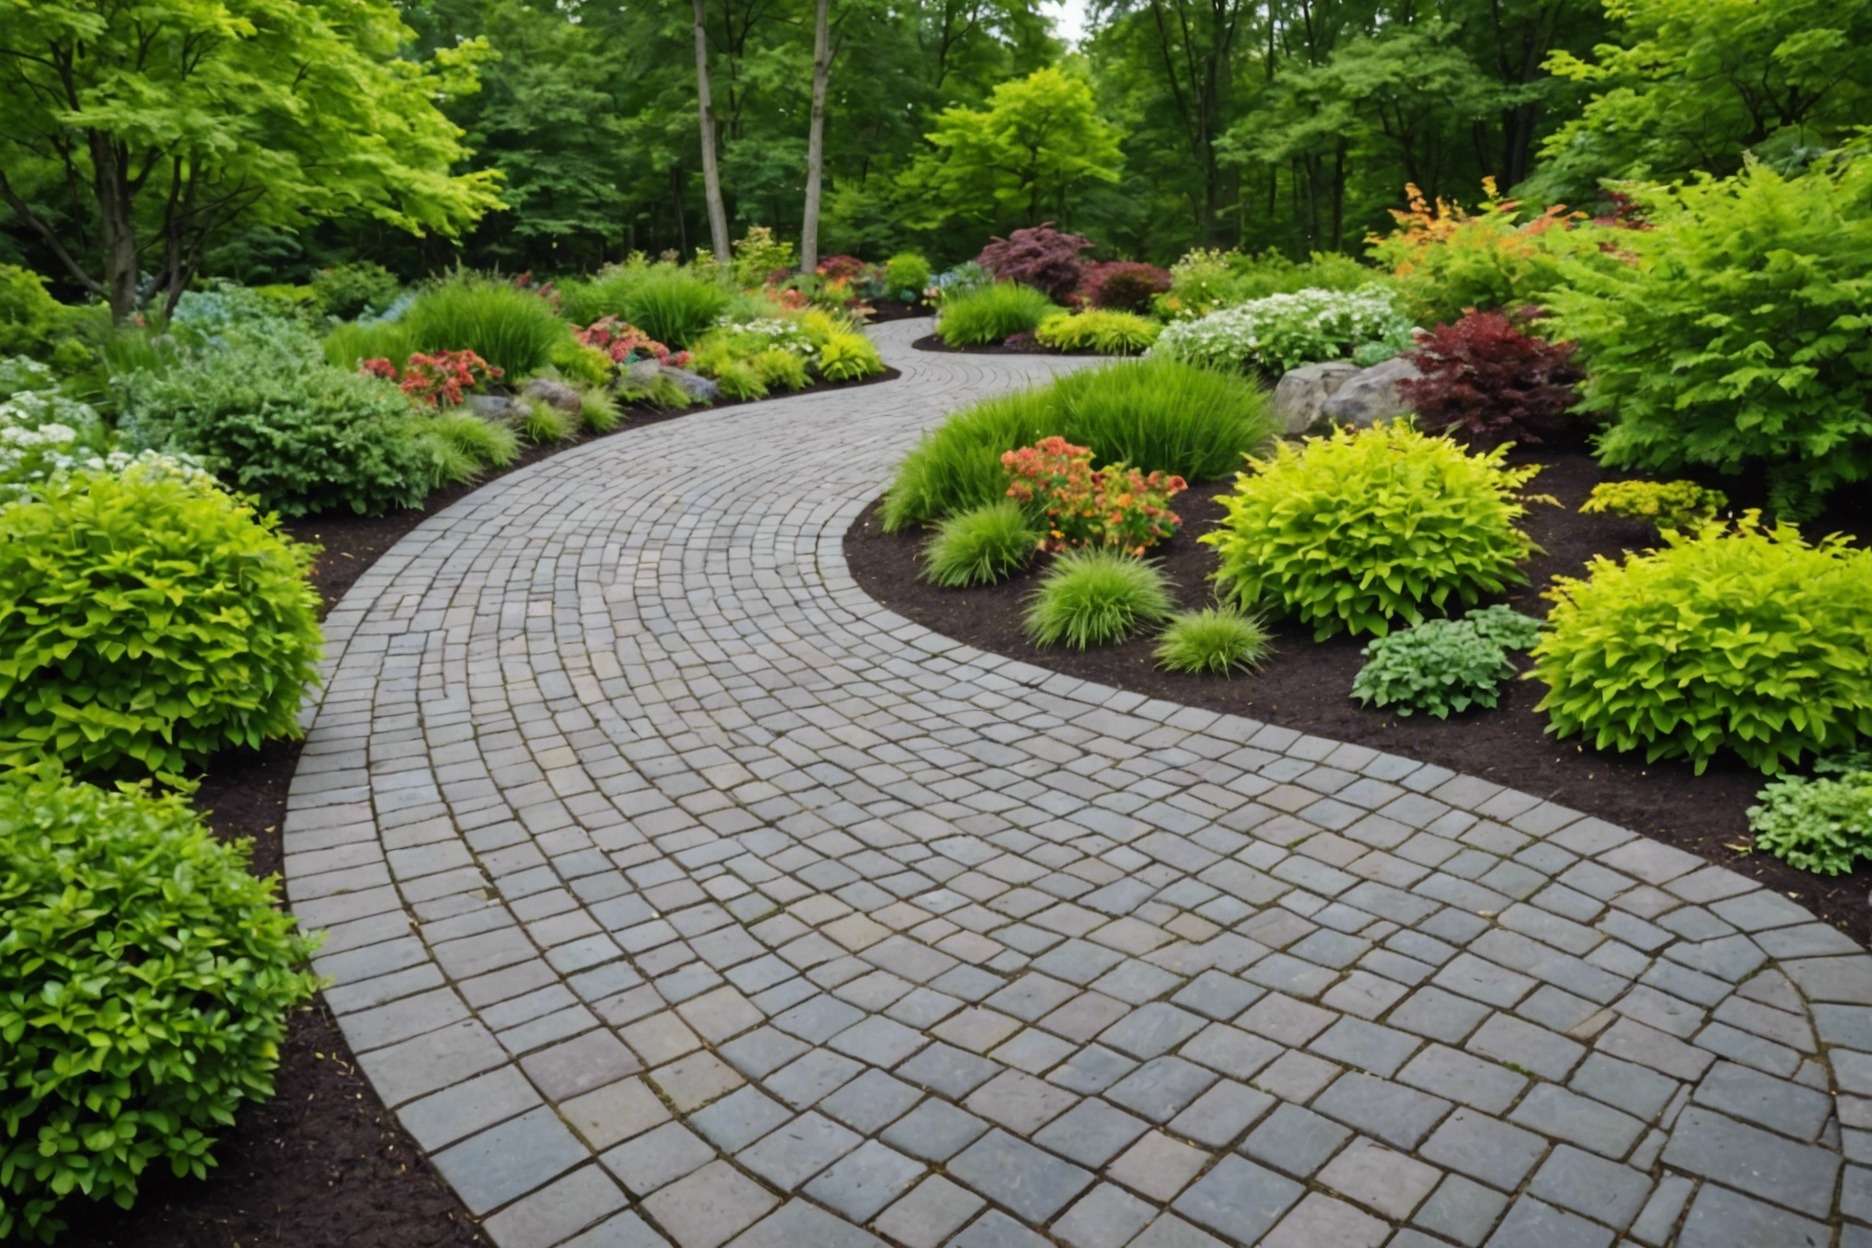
x=149, y=621
x=1216, y=641
x=1486, y=382
x=1041, y=257
x=991, y=314
x=1123, y=285
x=1098, y=332
x=1820, y=823
x=1281, y=332
x=758, y=255
x=980, y=546
x=1444, y=667
x=1096, y=598
x=1746, y=639
x=848, y=356
x=33, y=323
x=907, y=276
x=780, y=369
x=1680, y=505
x=349, y=290
x=145, y=980
x=1205, y=280
x=1366, y=527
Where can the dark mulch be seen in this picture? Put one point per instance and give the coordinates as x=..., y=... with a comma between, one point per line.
x=930, y=342
x=1307, y=686
x=898, y=310
x=323, y=1164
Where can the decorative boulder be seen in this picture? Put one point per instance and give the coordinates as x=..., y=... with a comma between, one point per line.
x=554, y=394
x=642, y=373
x=694, y=385
x=499, y=409
x=1371, y=395
x=1302, y=393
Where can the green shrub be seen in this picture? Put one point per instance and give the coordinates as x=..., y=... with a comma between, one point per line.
x=1206, y=280
x=445, y=461
x=513, y=329
x=737, y=379
x=672, y=304
x=1364, y=527
x=1103, y=332
x=906, y=276
x=1216, y=641
x=351, y=289
x=32, y=322
x=990, y=314
x=484, y=442
x=1442, y=667
x=980, y=546
x=758, y=255
x=1747, y=639
x=149, y=621
x=1736, y=338
x=662, y=393
x=1679, y=505
x=273, y=420
x=957, y=466
x=1821, y=823
x=145, y=980
x=849, y=356
x=779, y=368
x=1096, y=598
x=581, y=365
x=1278, y=333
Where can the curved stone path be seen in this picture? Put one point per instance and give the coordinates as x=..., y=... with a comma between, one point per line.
x=677, y=892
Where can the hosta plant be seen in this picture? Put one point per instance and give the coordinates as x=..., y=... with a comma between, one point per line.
x=1281, y=332
x=980, y=546
x=1216, y=641
x=1116, y=506
x=1485, y=381
x=1444, y=667
x=1821, y=822
x=1097, y=331
x=1679, y=505
x=1743, y=638
x=145, y=979
x=1096, y=598
x=1358, y=530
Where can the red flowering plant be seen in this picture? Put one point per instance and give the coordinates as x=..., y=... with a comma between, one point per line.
x=445, y=378
x=1486, y=381
x=1116, y=506
x=626, y=344
x=379, y=367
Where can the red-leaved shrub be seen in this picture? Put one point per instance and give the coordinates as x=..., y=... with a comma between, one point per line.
x=1125, y=285
x=1039, y=256
x=1487, y=382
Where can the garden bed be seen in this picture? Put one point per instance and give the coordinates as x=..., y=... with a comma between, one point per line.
x=1306, y=685
x=325, y=1145
x=930, y=342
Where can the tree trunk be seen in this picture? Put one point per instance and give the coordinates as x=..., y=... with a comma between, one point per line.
x=711, y=176
x=815, y=139
x=116, y=226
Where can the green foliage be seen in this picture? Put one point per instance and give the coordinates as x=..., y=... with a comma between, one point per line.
x=580, y=364
x=661, y=393
x=275, y=421
x=1216, y=641
x=32, y=322
x=1820, y=823
x=146, y=622
x=1754, y=292
x=514, y=330
x=544, y=423
x=670, y=303
x=779, y=368
x=598, y=410
x=1443, y=667
x=445, y=460
x=145, y=980
x=351, y=289
x=1746, y=639
x=990, y=314
x=1096, y=598
x=1157, y=415
x=482, y=441
x=1679, y=505
x=907, y=275
x=980, y=546
x=847, y=356
x=1365, y=527
x=757, y=254
x=1208, y=279
x=738, y=380
x=1280, y=332
x=1098, y=331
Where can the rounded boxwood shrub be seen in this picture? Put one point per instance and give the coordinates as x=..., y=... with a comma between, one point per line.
x=1747, y=639
x=1365, y=527
x=145, y=978
x=147, y=621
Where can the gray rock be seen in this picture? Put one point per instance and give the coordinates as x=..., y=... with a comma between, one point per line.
x=1302, y=393
x=553, y=393
x=694, y=384
x=501, y=409
x=1371, y=396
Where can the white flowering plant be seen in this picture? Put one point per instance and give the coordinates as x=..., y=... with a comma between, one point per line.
x=1281, y=332
x=44, y=435
x=764, y=334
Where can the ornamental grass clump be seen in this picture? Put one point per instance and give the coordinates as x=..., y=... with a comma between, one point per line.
x=145, y=979
x=1361, y=529
x=980, y=546
x=1096, y=598
x=1216, y=641
x=991, y=314
x=1743, y=638
x=509, y=328
x=1273, y=335
x=147, y=621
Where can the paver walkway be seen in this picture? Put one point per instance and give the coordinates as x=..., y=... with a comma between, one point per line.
x=678, y=892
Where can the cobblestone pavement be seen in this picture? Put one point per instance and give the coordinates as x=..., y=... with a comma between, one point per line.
x=677, y=893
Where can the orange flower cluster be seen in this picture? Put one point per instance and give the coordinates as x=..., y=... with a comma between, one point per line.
x=1115, y=507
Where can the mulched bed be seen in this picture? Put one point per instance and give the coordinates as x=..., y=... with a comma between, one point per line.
x=897, y=310
x=323, y=1164
x=930, y=342
x=1308, y=686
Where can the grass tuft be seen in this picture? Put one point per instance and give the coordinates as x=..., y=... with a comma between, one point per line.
x=980, y=546
x=990, y=314
x=1096, y=598
x=1216, y=641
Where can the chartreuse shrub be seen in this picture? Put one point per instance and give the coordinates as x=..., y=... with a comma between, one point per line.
x=1441, y=667
x=1098, y=330
x=906, y=276
x=1679, y=505
x=991, y=314
x=1821, y=822
x=273, y=420
x=145, y=980
x=598, y=411
x=848, y=356
x=543, y=423
x=1746, y=638
x=1216, y=641
x=1154, y=415
x=33, y=323
x=146, y=621
x=1358, y=530
x=482, y=442
x=1207, y=279
x=980, y=546
x=1096, y=598
x=1736, y=337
